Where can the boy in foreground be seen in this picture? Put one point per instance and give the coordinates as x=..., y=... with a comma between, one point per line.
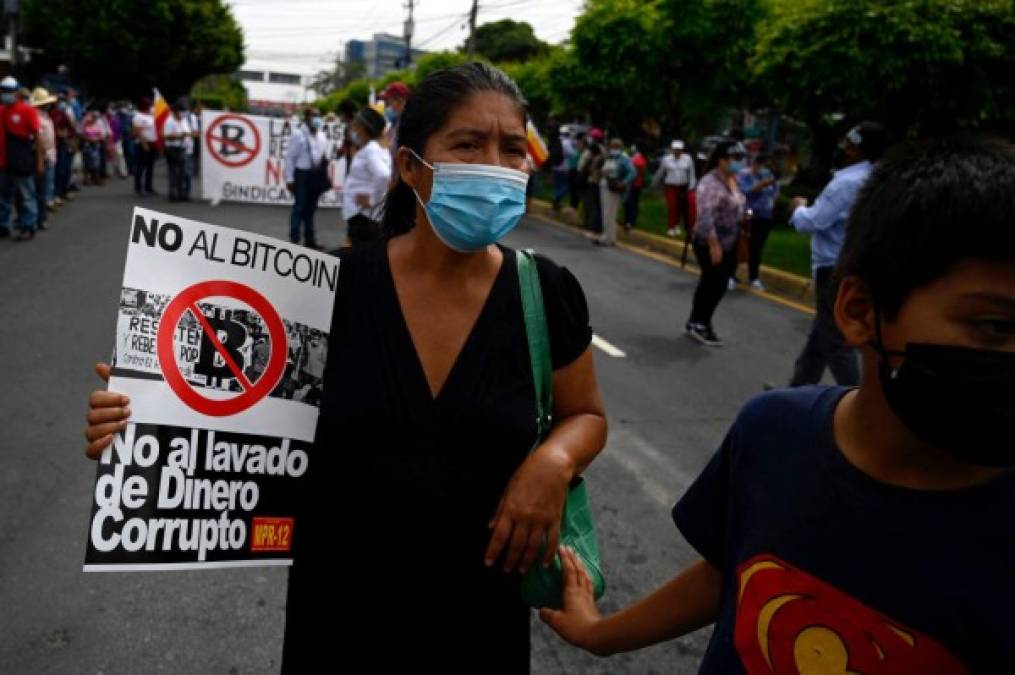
x=867, y=530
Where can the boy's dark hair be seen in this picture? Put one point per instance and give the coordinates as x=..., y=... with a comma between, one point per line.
x=925, y=207
x=426, y=110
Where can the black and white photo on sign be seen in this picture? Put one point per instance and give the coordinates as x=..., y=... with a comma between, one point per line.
x=240, y=331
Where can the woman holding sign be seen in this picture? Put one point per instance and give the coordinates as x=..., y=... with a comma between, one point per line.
x=428, y=500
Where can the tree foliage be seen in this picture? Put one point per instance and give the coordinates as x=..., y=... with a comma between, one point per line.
x=919, y=66
x=124, y=47
x=507, y=41
x=220, y=92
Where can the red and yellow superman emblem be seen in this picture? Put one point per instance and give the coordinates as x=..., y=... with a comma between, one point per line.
x=791, y=623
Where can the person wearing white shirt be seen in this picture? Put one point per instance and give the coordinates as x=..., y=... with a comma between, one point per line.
x=303, y=157
x=676, y=173
x=825, y=221
x=367, y=180
x=190, y=147
x=175, y=132
x=144, y=133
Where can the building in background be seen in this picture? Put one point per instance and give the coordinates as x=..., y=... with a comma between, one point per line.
x=270, y=92
x=381, y=55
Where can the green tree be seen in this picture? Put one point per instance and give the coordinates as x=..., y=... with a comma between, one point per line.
x=507, y=40
x=708, y=44
x=428, y=63
x=610, y=71
x=920, y=66
x=533, y=78
x=338, y=76
x=220, y=92
x=124, y=47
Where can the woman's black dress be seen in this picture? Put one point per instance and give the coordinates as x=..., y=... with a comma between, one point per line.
x=389, y=570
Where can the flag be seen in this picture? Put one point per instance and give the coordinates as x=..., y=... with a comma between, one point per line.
x=537, y=148
x=160, y=110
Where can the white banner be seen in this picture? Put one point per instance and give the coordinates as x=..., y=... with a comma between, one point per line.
x=243, y=159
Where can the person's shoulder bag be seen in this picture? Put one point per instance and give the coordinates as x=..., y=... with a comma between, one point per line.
x=320, y=181
x=542, y=586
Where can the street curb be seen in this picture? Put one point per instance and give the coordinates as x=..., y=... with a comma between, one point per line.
x=790, y=286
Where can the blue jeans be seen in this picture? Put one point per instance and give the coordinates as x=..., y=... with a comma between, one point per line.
x=25, y=187
x=303, y=210
x=561, y=187
x=49, y=180
x=61, y=179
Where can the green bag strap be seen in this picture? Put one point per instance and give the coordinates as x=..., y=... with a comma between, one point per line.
x=539, y=339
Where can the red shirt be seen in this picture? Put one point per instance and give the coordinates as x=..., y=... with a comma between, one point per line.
x=18, y=118
x=62, y=123
x=640, y=164
x=21, y=119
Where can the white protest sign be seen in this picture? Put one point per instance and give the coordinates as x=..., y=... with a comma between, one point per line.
x=221, y=345
x=243, y=159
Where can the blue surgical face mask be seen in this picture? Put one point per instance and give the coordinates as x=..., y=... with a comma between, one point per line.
x=473, y=205
x=356, y=138
x=391, y=114
x=316, y=123
x=7, y=97
x=736, y=165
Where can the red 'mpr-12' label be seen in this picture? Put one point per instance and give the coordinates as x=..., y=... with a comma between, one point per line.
x=271, y=534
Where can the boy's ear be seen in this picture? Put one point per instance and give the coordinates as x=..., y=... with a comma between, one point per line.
x=855, y=313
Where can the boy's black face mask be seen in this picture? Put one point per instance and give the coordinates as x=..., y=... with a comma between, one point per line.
x=959, y=399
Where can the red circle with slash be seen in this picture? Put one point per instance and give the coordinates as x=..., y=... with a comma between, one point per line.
x=247, y=152
x=186, y=301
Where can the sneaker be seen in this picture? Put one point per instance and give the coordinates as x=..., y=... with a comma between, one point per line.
x=758, y=286
x=672, y=232
x=731, y=285
x=702, y=334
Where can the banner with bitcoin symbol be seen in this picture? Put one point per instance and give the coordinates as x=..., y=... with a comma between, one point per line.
x=245, y=158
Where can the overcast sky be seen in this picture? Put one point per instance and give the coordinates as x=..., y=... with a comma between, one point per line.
x=304, y=36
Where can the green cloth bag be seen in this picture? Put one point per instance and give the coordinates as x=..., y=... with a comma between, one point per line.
x=542, y=586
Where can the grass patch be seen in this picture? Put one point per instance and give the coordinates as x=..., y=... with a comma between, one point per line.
x=786, y=249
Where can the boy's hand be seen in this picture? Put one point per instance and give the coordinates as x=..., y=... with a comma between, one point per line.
x=577, y=621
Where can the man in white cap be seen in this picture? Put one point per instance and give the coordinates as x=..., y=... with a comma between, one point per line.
x=21, y=160
x=676, y=174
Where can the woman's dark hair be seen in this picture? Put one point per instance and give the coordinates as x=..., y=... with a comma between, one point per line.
x=371, y=121
x=347, y=107
x=925, y=207
x=427, y=110
x=720, y=151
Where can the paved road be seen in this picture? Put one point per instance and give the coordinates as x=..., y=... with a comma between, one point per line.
x=669, y=402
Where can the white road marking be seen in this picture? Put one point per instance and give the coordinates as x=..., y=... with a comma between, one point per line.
x=609, y=349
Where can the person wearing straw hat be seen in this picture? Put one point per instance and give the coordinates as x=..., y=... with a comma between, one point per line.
x=43, y=101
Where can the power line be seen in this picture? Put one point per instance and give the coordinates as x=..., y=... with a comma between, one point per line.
x=457, y=22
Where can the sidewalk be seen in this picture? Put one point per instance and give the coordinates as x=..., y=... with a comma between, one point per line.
x=780, y=284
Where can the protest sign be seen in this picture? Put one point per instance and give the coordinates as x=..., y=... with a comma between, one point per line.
x=244, y=158
x=221, y=344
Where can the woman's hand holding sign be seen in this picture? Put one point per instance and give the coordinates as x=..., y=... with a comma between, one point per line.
x=107, y=415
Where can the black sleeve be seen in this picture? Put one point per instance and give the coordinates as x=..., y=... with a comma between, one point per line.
x=567, y=313
x=701, y=515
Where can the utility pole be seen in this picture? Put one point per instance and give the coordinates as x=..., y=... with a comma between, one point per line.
x=409, y=27
x=11, y=8
x=472, y=27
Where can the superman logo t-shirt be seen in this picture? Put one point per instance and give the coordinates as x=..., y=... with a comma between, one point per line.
x=828, y=571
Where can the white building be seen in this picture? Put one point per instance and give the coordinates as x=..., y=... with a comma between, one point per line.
x=270, y=90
